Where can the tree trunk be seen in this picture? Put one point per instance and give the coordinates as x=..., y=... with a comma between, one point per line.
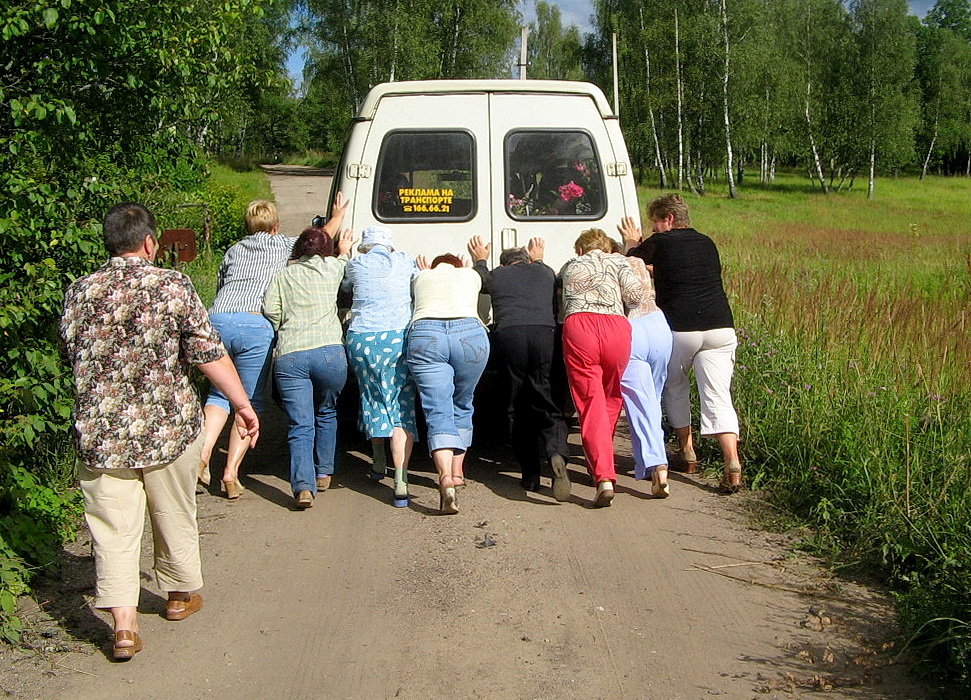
x=650, y=107
x=873, y=168
x=930, y=150
x=677, y=72
x=812, y=141
x=730, y=165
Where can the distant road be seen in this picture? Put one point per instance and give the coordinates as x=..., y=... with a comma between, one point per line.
x=301, y=192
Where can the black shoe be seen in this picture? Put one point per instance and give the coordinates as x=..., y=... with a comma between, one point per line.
x=561, y=478
x=530, y=483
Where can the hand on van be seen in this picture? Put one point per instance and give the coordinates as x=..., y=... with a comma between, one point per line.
x=345, y=241
x=337, y=212
x=630, y=231
x=479, y=249
x=536, y=247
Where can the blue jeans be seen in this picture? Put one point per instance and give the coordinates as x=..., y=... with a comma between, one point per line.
x=248, y=339
x=310, y=382
x=447, y=358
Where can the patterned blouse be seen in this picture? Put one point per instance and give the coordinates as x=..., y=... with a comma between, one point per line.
x=647, y=305
x=599, y=283
x=246, y=271
x=130, y=332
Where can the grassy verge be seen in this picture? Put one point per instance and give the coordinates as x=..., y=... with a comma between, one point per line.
x=853, y=380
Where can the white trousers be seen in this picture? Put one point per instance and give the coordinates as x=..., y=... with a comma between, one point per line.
x=114, y=507
x=712, y=356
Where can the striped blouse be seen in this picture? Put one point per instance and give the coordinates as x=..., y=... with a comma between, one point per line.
x=246, y=271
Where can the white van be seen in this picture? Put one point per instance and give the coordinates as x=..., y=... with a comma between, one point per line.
x=442, y=160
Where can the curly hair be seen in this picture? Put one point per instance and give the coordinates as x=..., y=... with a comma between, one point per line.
x=593, y=239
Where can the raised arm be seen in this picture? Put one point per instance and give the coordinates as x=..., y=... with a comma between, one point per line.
x=337, y=212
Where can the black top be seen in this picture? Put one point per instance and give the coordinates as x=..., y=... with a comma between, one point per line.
x=522, y=294
x=687, y=279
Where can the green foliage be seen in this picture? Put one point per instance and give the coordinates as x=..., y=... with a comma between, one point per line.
x=554, y=50
x=851, y=382
x=823, y=85
x=353, y=46
x=100, y=102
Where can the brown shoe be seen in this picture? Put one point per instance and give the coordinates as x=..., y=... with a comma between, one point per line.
x=304, y=500
x=323, y=483
x=731, y=478
x=204, y=478
x=182, y=606
x=687, y=461
x=124, y=653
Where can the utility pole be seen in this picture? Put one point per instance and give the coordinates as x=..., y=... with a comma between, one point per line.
x=614, y=60
x=523, y=32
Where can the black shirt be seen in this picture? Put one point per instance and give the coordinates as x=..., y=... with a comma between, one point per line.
x=522, y=294
x=687, y=279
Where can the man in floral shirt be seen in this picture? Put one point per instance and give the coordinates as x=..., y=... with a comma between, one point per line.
x=131, y=331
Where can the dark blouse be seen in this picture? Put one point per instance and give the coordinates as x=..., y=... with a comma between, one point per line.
x=687, y=278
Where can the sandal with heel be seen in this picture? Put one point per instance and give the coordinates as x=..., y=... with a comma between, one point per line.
x=447, y=500
x=731, y=478
x=659, y=483
x=124, y=653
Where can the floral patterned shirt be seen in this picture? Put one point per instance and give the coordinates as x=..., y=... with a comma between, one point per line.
x=130, y=332
x=599, y=283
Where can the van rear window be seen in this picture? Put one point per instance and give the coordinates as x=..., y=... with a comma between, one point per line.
x=425, y=176
x=553, y=175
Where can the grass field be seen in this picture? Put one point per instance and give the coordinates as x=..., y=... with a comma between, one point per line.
x=853, y=380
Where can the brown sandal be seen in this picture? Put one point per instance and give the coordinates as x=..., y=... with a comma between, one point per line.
x=126, y=652
x=690, y=461
x=233, y=489
x=204, y=478
x=731, y=478
x=180, y=608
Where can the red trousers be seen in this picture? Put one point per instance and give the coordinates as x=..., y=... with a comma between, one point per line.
x=596, y=349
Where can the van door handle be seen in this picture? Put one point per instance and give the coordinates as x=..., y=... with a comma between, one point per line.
x=508, y=238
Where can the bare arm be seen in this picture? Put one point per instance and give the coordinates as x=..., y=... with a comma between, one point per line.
x=479, y=249
x=536, y=248
x=630, y=231
x=345, y=241
x=222, y=373
x=337, y=212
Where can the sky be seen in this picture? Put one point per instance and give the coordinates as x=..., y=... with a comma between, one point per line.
x=578, y=12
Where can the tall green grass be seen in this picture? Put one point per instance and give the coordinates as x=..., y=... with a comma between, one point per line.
x=853, y=380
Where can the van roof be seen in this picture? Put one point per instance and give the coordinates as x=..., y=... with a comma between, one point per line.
x=433, y=87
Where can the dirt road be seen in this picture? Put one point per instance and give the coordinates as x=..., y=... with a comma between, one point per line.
x=516, y=597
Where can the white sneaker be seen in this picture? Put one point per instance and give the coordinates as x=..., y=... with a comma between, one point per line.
x=605, y=494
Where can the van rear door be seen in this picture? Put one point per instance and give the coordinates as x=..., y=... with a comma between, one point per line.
x=424, y=161
x=550, y=163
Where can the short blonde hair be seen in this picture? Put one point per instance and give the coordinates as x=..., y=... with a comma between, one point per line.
x=665, y=205
x=593, y=239
x=261, y=215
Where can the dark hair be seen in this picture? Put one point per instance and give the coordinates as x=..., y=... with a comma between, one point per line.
x=313, y=241
x=126, y=226
x=448, y=259
x=511, y=256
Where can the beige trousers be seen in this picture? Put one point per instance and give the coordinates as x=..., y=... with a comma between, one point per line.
x=114, y=507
